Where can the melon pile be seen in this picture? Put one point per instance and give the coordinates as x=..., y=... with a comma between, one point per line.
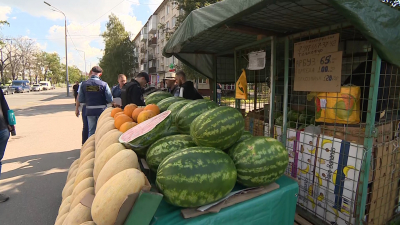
x=105, y=169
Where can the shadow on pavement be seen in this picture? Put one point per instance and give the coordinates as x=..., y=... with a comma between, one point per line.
x=40, y=172
x=45, y=109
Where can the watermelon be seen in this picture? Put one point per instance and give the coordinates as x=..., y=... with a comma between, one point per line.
x=156, y=97
x=190, y=112
x=173, y=130
x=246, y=135
x=196, y=176
x=259, y=161
x=140, y=137
x=165, y=146
x=176, y=107
x=219, y=128
x=165, y=103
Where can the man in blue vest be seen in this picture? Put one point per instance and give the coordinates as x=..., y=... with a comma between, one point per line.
x=95, y=94
x=85, y=129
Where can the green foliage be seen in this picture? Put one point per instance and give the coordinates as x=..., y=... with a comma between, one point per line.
x=118, y=54
x=74, y=74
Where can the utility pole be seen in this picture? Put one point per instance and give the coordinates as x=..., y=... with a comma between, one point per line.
x=84, y=58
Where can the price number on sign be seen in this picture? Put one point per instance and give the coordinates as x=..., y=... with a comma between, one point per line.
x=325, y=60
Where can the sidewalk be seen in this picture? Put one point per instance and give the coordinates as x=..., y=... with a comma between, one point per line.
x=36, y=161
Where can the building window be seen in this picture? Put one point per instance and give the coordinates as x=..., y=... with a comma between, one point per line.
x=162, y=19
x=167, y=25
x=173, y=22
x=202, y=81
x=158, y=49
x=167, y=9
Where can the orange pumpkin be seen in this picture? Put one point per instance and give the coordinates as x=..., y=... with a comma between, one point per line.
x=128, y=110
x=136, y=113
x=121, y=120
x=153, y=108
x=115, y=111
x=126, y=126
x=145, y=115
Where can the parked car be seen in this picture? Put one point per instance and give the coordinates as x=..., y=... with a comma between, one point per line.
x=20, y=86
x=37, y=87
x=46, y=85
x=7, y=90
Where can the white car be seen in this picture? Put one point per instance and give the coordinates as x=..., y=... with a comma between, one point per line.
x=37, y=87
x=46, y=85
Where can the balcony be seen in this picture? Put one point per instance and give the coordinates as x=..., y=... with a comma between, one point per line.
x=143, y=60
x=152, y=70
x=151, y=57
x=152, y=24
x=143, y=34
x=143, y=50
x=153, y=42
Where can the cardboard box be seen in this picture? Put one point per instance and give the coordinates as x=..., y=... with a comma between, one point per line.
x=127, y=205
x=254, y=126
x=356, y=134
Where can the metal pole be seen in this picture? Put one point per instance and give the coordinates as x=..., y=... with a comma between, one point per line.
x=66, y=56
x=286, y=92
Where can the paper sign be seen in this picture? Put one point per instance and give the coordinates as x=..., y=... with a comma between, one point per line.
x=241, y=87
x=256, y=60
x=316, y=46
x=318, y=73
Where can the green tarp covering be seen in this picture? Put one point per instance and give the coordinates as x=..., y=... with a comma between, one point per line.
x=223, y=26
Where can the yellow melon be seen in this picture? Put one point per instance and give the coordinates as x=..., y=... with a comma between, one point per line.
x=72, y=171
x=80, y=196
x=88, y=223
x=110, y=197
x=68, y=191
x=65, y=202
x=61, y=219
x=104, y=137
x=78, y=215
x=108, y=140
x=87, y=151
x=69, y=183
x=87, y=158
x=75, y=162
x=64, y=210
x=107, y=154
x=125, y=159
x=106, y=113
x=100, y=124
x=88, y=165
x=109, y=125
x=88, y=144
x=86, y=183
x=83, y=175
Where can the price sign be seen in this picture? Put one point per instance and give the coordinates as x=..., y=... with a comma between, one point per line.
x=318, y=73
x=315, y=46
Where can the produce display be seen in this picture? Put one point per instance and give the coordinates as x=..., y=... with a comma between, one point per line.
x=196, y=176
x=165, y=146
x=191, y=111
x=165, y=103
x=156, y=97
x=259, y=161
x=219, y=128
x=197, y=160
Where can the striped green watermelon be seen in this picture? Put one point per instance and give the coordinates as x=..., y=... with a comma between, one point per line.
x=173, y=130
x=196, y=176
x=165, y=146
x=156, y=97
x=176, y=107
x=165, y=103
x=190, y=112
x=259, y=161
x=140, y=137
x=219, y=128
x=246, y=135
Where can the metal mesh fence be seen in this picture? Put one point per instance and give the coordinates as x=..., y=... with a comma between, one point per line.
x=332, y=138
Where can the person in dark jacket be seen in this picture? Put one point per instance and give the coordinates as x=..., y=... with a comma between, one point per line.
x=5, y=129
x=186, y=88
x=132, y=92
x=75, y=88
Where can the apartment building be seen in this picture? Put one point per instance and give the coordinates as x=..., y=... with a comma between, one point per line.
x=150, y=42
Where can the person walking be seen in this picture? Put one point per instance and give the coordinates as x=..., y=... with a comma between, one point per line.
x=85, y=129
x=186, y=88
x=219, y=93
x=132, y=92
x=75, y=88
x=95, y=94
x=172, y=87
x=116, y=90
x=5, y=130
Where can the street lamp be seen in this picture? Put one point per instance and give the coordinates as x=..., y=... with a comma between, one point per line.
x=84, y=58
x=66, y=51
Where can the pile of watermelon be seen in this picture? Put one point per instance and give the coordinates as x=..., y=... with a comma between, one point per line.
x=199, y=150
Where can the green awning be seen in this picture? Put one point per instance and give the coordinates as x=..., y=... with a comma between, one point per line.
x=221, y=27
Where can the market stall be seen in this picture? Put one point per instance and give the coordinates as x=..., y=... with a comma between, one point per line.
x=342, y=137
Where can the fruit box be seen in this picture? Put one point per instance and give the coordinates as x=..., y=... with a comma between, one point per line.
x=129, y=207
x=255, y=126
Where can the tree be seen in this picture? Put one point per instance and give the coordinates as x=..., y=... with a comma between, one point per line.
x=118, y=54
x=74, y=74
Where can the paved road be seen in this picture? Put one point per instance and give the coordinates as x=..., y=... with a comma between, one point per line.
x=37, y=159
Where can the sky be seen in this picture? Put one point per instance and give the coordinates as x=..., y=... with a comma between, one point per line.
x=86, y=20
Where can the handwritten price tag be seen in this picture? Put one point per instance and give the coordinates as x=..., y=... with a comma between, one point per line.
x=315, y=46
x=318, y=73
